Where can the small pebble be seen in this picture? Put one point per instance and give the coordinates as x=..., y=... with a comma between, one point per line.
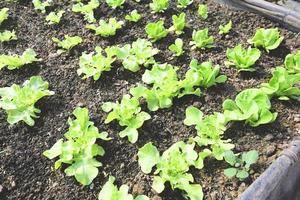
x=270, y=150
x=269, y=137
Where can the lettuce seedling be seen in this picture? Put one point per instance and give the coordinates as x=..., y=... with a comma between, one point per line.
x=94, y=64
x=3, y=14
x=139, y=53
x=292, y=63
x=184, y=3
x=87, y=9
x=54, y=18
x=203, y=11
x=201, y=39
x=16, y=61
x=40, y=5
x=156, y=31
x=173, y=166
x=159, y=5
x=7, y=36
x=252, y=105
x=128, y=113
x=134, y=16
x=110, y=191
x=240, y=164
x=106, y=29
x=282, y=85
x=115, y=3
x=68, y=43
x=267, y=38
x=80, y=149
x=242, y=59
x=176, y=48
x=225, y=29
x=178, y=23
x=18, y=101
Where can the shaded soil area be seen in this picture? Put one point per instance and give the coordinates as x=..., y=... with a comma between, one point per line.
x=26, y=174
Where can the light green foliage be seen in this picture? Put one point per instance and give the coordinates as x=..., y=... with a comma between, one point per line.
x=282, y=85
x=18, y=101
x=203, y=11
x=159, y=5
x=176, y=48
x=54, y=18
x=86, y=9
x=267, y=38
x=68, y=43
x=41, y=5
x=292, y=62
x=178, y=23
x=7, y=36
x=128, y=113
x=184, y=3
x=173, y=166
x=115, y=3
x=139, y=53
x=224, y=29
x=3, y=14
x=204, y=75
x=80, y=148
x=16, y=61
x=252, y=105
x=240, y=164
x=201, y=39
x=111, y=192
x=106, y=29
x=156, y=31
x=94, y=64
x=242, y=59
x=134, y=16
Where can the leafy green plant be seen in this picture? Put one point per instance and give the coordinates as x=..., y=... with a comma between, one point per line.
x=3, y=14
x=134, y=16
x=242, y=59
x=68, y=43
x=240, y=164
x=201, y=39
x=128, y=113
x=159, y=5
x=80, y=149
x=139, y=53
x=16, y=61
x=267, y=38
x=106, y=29
x=7, y=36
x=94, y=64
x=111, y=192
x=184, y=3
x=292, y=63
x=282, y=84
x=176, y=48
x=178, y=23
x=173, y=166
x=252, y=105
x=54, y=18
x=115, y=3
x=18, y=101
x=86, y=9
x=224, y=29
x=203, y=11
x=156, y=31
x=40, y=5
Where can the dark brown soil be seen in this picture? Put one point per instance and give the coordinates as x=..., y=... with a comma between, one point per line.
x=26, y=174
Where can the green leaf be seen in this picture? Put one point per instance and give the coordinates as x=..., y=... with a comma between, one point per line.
x=230, y=172
x=184, y=3
x=292, y=63
x=3, y=14
x=106, y=29
x=115, y=3
x=226, y=28
x=156, y=31
x=250, y=158
x=133, y=17
x=158, y=184
x=68, y=43
x=148, y=157
x=230, y=158
x=54, y=18
x=177, y=47
x=7, y=36
x=178, y=23
x=203, y=11
x=131, y=133
x=193, y=116
x=41, y=6
x=242, y=174
x=201, y=39
x=86, y=9
x=159, y=5
x=55, y=150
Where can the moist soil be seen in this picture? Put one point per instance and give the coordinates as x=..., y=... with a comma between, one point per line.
x=26, y=174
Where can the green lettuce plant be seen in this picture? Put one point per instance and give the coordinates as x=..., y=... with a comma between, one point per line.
x=269, y=39
x=224, y=29
x=184, y=3
x=86, y=9
x=156, y=30
x=201, y=39
x=41, y=5
x=7, y=36
x=203, y=11
x=176, y=48
x=3, y=14
x=80, y=150
x=134, y=16
x=128, y=113
x=292, y=63
x=115, y=3
x=18, y=101
x=106, y=29
x=54, y=18
x=68, y=43
x=178, y=23
x=159, y=5
x=242, y=59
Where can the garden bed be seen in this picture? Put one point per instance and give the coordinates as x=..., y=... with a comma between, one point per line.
x=26, y=174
